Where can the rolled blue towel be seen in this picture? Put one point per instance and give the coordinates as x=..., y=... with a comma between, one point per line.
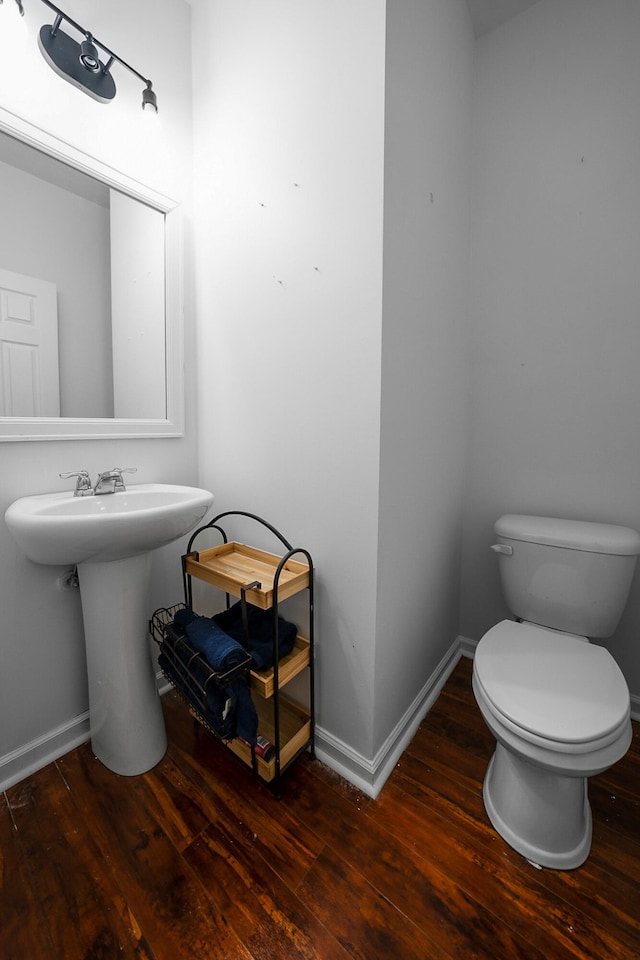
x=220, y=650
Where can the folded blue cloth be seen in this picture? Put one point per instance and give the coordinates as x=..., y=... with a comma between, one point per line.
x=246, y=715
x=221, y=651
x=259, y=643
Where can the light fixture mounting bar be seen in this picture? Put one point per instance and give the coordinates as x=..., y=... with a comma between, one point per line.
x=93, y=77
x=112, y=56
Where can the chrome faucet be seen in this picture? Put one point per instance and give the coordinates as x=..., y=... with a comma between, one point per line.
x=111, y=480
x=83, y=483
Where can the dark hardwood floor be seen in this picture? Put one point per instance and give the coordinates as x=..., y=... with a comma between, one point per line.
x=196, y=860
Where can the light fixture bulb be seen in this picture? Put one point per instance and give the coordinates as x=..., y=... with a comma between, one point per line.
x=149, y=99
x=89, y=56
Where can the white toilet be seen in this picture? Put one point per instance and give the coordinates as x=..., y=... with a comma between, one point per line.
x=557, y=705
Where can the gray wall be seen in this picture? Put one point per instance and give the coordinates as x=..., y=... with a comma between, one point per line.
x=52, y=234
x=333, y=367
x=555, y=286
x=289, y=149
x=425, y=376
x=335, y=409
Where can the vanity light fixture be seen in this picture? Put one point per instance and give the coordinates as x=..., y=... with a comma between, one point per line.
x=79, y=62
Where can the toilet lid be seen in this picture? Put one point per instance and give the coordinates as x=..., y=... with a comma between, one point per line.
x=553, y=685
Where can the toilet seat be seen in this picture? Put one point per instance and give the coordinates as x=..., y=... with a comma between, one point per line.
x=554, y=690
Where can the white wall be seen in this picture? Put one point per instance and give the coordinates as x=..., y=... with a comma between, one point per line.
x=42, y=680
x=288, y=110
x=424, y=432
x=330, y=284
x=555, y=286
x=307, y=385
x=137, y=301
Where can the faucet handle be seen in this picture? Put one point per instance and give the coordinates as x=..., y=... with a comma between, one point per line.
x=116, y=474
x=83, y=482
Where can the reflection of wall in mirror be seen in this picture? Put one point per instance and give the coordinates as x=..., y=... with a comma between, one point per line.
x=138, y=309
x=48, y=232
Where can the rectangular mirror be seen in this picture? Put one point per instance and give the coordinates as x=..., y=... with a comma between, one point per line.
x=90, y=297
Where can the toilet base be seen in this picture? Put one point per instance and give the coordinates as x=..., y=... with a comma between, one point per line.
x=544, y=816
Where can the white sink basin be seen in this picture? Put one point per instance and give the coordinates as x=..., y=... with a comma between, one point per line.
x=58, y=528
x=110, y=538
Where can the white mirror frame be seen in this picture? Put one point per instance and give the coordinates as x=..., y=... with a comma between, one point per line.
x=70, y=428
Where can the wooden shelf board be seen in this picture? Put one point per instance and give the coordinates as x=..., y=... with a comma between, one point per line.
x=288, y=667
x=231, y=566
x=295, y=731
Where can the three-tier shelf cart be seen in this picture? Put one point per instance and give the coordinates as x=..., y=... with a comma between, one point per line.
x=264, y=580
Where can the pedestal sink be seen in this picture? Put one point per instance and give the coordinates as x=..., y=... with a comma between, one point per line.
x=110, y=539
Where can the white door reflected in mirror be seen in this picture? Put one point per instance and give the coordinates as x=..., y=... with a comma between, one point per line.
x=29, y=373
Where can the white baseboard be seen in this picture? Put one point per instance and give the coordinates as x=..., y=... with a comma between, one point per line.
x=365, y=774
x=467, y=646
x=25, y=760
x=370, y=775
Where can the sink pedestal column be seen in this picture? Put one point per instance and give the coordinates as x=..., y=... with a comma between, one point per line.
x=127, y=725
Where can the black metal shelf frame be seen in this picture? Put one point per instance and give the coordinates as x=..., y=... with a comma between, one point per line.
x=291, y=551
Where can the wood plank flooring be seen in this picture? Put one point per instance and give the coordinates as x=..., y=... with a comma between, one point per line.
x=196, y=860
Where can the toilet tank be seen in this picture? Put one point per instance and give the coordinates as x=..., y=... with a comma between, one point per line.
x=569, y=575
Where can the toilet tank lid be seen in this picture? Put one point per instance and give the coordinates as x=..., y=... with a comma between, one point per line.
x=571, y=534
